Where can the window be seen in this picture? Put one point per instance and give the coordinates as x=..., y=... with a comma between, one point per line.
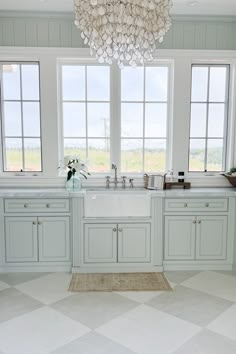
x=208, y=126
x=139, y=136
x=144, y=99
x=86, y=114
x=20, y=117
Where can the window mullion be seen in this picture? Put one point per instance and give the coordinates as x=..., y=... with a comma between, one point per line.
x=22, y=125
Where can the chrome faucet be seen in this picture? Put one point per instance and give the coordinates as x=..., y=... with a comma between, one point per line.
x=114, y=167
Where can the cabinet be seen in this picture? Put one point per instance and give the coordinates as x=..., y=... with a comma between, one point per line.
x=195, y=237
x=32, y=239
x=112, y=243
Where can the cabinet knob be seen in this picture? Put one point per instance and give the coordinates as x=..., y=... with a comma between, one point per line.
x=114, y=229
x=25, y=205
x=185, y=205
x=34, y=223
x=120, y=230
x=194, y=221
x=39, y=223
x=207, y=205
x=199, y=221
x=48, y=205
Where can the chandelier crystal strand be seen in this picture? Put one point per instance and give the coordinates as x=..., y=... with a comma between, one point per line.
x=123, y=30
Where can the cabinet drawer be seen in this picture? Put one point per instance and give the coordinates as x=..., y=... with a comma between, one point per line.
x=208, y=204
x=36, y=205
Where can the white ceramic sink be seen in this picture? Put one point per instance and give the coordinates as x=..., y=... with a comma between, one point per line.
x=117, y=203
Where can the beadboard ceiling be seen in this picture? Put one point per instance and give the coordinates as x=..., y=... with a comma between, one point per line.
x=180, y=7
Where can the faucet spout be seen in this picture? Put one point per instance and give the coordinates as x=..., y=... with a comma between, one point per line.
x=114, y=167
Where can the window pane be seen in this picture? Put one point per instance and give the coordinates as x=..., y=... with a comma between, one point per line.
x=98, y=83
x=30, y=82
x=11, y=82
x=131, y=155
x=13, y=149
x=198, y=120
x=156, y=83
x=32, y=149
x=31, y=119
x=199, y=84
x=217, y=84
x=216, y=120
x=132, y=84
x=155, y=119
x=215, y=155
x=197, y=155
x=155, y=155
x=99, y=155
x=98, y=120
x=132, y=119
x=75, y=148
x=12, y=118
x=73, y=82
x=74, y=119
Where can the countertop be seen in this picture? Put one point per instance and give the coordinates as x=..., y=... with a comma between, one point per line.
x=63, y=193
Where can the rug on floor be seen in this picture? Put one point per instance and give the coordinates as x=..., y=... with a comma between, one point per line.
x=119, y=282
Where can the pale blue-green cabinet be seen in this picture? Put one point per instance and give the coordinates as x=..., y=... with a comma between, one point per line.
x=180, y=237
x=21, y=239
x=117, y=243
x=211, y=237
x=33, y=239
x=196, y=237
x=54, y=239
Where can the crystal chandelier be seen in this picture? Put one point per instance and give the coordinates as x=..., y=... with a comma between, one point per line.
x=123, y=30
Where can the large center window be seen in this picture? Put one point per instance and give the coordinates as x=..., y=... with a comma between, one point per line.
x=118, y=116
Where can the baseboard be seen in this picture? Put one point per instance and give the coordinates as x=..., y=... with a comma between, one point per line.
x=35, y=268
x=186, y=267
x=116, y=269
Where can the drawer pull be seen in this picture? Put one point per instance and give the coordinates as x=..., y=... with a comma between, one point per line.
x=47, y=205
x=25, y=205
x=114, y=229
x=120, y=230
x=185, y=205
x=34, y=222
x=207, y=205
x=194, y=221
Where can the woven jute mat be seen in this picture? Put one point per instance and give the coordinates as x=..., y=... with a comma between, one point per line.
x=119, y=282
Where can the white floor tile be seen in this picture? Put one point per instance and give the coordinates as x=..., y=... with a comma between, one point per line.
x=38, y=332
x=47, y=289
x=139, y=296
x=225, y=324
x=3, y=285
x=213, y=283
x=148, y=331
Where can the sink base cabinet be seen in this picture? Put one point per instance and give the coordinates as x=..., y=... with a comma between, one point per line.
x=33, y=239
x=117, y=243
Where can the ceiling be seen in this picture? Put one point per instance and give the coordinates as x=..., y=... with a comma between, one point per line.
x=180, y=7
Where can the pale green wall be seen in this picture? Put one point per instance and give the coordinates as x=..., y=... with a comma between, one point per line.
x=38, y=30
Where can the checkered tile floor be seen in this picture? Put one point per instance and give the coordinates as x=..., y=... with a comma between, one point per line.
x=39, y=316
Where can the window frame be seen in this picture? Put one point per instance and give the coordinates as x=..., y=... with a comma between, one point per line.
x=226, y=136
x=2, y=120
x=115, y=111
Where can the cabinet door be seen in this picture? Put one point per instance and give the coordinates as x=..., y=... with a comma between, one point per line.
x=180, y=237
x=21, y=239
x=211, y=237
x=134, y=243
x=54, y=239
x=100, y=243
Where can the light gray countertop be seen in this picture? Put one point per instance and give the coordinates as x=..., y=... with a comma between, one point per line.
x=63, y=193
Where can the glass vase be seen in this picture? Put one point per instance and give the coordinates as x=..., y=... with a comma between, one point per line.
x=74, y=183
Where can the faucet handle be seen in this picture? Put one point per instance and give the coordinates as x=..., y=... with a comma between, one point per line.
x=123, y=181
x=131, y=180
x=107, y=181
